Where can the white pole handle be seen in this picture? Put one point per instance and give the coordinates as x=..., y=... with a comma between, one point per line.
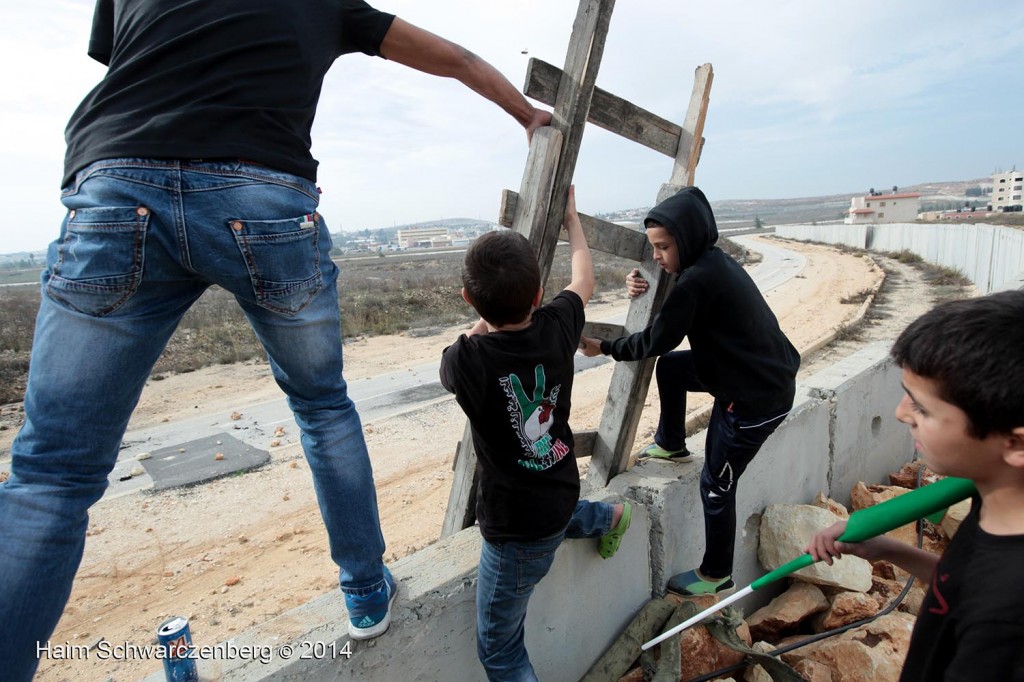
x=699, y=617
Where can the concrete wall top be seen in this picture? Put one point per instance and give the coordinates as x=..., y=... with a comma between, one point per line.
x=575, y=613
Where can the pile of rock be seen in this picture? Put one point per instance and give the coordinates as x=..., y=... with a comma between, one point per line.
x=822, y=598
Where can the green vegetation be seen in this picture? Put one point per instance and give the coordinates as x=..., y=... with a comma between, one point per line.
x=906, y=256
x=19, y=275
x=740, y=254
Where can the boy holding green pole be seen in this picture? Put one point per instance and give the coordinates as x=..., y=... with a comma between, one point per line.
x=963, y=374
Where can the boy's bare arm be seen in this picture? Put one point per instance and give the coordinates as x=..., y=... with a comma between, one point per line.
x=825, y=547
x=582, y=265
x=479, y=328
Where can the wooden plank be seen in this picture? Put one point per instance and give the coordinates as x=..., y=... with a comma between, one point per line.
x=603, y=330
x=583, y=442
x=607, y=111
x=571, y=108
x=530, y=210
x=690, y=144
x=607, y=237
x=507, y=211
x=461, y=511
x=538, y=213
x=601, y=235
x=629, y=384
x=526, y=217
x=631, y=380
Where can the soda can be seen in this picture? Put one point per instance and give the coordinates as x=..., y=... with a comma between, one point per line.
x=176, y=639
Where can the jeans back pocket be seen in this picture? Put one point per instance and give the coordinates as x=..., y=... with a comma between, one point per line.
x=99, y=258
x=283, y=260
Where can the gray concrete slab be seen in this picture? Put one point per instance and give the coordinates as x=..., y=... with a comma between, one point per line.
x=197, y=461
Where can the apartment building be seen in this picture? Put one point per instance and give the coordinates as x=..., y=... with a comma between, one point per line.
x=1007, y=190
x=876, y=207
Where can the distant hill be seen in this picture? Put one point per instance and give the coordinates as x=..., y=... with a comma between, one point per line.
x=452, y=223
x=732, y=213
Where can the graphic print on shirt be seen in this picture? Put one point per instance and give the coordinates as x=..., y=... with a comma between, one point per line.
x=532, y=419
x=943, y=608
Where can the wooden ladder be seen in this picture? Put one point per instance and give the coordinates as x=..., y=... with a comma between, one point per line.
x=536, y=211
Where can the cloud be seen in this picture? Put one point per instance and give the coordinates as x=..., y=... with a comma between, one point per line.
x=808, y=98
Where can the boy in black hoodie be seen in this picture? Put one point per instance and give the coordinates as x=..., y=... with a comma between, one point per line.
x=737, y=353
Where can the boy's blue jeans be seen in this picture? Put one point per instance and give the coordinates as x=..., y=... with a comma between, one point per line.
x=507, y=574
x=732, y=441
x=141, y=242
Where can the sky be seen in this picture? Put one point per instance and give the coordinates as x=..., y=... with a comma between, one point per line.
x=809, y=98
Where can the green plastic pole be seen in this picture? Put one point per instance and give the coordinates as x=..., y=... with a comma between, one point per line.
x=862, y=525
x=884, y=517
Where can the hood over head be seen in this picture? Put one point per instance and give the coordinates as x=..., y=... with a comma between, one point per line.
x=688, y=216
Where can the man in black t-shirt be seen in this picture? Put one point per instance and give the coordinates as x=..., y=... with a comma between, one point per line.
x=189, y=165
x=512, y=375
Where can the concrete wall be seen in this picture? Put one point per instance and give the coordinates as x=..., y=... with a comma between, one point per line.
x=841, y=430
x=989, y=255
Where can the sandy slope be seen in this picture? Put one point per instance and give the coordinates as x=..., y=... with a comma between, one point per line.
x=240, y=550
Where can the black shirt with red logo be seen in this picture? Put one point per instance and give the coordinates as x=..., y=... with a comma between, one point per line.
x=970, y=627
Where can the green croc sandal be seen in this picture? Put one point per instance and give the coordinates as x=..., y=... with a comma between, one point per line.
x=609, y=543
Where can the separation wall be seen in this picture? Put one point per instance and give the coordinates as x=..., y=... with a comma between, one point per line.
x=990, y=256
x=841, y=430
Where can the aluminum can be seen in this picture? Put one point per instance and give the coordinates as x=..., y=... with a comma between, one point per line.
x=176, y=638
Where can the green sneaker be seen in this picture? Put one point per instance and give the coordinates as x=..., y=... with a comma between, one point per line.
x=691, y=584
x=655, y=451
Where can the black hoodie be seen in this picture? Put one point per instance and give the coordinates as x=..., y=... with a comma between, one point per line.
x=740, y=352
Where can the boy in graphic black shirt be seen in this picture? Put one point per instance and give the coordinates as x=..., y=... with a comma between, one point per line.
x=963, y=373
x=512, y=375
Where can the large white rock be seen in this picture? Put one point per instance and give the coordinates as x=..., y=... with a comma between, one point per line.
x=785, y=531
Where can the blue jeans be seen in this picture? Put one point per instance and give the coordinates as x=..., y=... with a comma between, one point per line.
x=506, y=576
x=731, y=443
x=142, y=240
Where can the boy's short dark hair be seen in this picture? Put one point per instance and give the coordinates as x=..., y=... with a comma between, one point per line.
x=501, y=276
x=974, y=350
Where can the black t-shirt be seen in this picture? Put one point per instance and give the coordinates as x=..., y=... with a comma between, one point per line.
x=515, y=389
x=971, y=624
x=205, y=79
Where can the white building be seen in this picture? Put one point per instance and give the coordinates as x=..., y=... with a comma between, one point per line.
x=423, y=238
x=1007, y=189
x=884, y=208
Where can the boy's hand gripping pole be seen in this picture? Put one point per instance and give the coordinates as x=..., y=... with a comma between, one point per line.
x=862, y=525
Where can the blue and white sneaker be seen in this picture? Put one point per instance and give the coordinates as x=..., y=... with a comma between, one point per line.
x=369, y=615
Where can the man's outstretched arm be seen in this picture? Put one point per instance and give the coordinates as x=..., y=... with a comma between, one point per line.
x=421, y=50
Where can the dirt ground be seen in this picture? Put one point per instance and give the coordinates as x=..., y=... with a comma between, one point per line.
x=237, y=551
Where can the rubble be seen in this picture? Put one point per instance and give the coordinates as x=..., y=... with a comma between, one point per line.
x=821, y=599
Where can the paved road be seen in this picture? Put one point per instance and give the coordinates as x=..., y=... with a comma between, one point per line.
x=376, y=398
